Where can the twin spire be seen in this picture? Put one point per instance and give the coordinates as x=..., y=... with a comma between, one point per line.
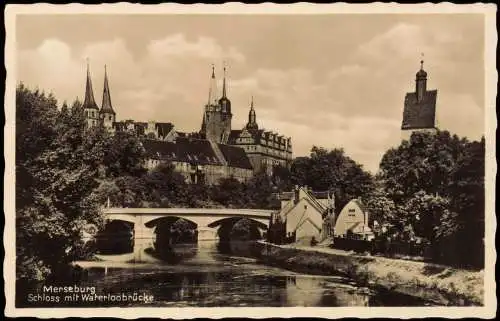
x=212, y=92
x=89, y=102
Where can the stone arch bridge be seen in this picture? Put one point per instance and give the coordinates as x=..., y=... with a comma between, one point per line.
x=206, y=220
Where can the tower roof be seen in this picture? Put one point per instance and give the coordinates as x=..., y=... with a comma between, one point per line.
x=224, y=102
x=224, y=84
x=89, y=101
x=106, y=96
x=252, y=118
x=212, y=91
x=421, y=73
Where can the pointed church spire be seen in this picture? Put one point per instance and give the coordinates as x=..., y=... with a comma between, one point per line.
x=106, y=96
x=89, y=101
x=252, y=118
x=212, y=93
x=224, y=83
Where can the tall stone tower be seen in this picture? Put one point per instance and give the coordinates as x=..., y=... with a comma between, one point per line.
x=216, y=125
x=107, y=114
x=419, y=114
x=252, y=118
x=89, y=105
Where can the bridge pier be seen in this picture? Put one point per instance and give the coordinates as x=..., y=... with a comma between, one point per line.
x=206, y=233
x=143, y=238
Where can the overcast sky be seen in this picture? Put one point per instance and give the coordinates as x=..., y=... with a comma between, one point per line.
x=325, y=80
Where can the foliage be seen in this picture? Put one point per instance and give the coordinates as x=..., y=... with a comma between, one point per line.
x=54, y=164
x=332, y=170
x=244, y=229
x=432, y=187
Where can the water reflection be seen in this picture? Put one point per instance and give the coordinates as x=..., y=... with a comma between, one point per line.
x=173, y=254
x=222, y=275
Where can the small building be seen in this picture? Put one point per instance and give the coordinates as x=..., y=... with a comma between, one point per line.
x=352, y=222
x=200, y=161
x=303, y=213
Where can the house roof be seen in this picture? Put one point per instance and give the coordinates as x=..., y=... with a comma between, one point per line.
x=198, y=152
x=417, y=115
x=235, y=156
x=164, y=128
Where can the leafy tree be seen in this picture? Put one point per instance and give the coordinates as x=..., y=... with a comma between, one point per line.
x=244, y=229
x=163, y=185
x=53, y=189
x=259, y=191
x=334, y=171
x=425, y=162
x=229, y=192
x=436, y=183
x=123, y=154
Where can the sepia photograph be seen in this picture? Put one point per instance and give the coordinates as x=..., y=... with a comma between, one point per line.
x=222, y=158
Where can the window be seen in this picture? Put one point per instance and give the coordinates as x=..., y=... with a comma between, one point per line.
x=110, y=117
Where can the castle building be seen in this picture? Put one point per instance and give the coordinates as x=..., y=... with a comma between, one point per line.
x=265, y=149
x=202, y=158
x=419, y=114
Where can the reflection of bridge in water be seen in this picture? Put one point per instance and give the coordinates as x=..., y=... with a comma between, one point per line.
x=145, y=222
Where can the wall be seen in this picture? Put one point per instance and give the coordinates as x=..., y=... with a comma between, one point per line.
x=301, y=212
x=350, y=214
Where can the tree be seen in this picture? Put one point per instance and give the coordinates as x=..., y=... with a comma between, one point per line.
x=244, y=230
x=123, y=154
x=164, y=186
x=425, y=162
x=259, y=191
x=332, y=170
x=462, y=230
x=53, y=189
x=436, y=183
x=229, y=192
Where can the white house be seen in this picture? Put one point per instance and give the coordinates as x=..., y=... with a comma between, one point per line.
x=352, y=222
x=303, y=213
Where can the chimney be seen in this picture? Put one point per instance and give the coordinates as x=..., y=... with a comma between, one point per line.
x=296, y=194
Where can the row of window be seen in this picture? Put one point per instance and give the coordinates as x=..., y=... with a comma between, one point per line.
x=94, y=114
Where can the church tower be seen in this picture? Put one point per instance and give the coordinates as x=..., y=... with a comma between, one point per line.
x=419, y=114
x=90, y=108
x=107, y=114
x=252, y=118
x=216, y=124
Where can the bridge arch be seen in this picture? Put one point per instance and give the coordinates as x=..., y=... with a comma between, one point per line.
x=234, y=219
x=169, y=219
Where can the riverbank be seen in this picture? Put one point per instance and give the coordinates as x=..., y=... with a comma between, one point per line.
x=440, y=284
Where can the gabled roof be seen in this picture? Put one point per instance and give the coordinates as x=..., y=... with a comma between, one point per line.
x=197, y=152
x=164, y=128
x=419, y=115
x=307, y=220
x=358, y=202
x=235, y=156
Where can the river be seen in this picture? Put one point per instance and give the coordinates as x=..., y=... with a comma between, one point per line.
x=205, y=275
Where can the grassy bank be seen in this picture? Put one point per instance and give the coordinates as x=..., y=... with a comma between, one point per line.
x=440, y=284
